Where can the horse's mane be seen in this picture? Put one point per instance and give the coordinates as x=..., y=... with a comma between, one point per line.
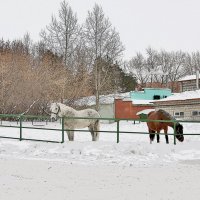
x=166, y=115
x=66, y=106
x=163, y=114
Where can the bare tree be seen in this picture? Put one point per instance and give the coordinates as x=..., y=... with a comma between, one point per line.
x=103, y=42
x=189, y=64
x=165, y=63
x=137, y=66
x=27, y=43
x=195, y=61
x=152, y=64
x=61, y=35
x=175, y=70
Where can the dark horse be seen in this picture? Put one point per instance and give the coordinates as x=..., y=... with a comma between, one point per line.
x=158, y=126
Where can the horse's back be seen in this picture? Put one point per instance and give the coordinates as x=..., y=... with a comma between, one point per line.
x=88, y=113
x=156, y=126
x=150, y=113
x=84, y=120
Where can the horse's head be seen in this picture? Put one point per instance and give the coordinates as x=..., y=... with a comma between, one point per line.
x=54, y=109
x=179, y=132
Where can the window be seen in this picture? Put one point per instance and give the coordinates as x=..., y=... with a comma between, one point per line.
x=155, y=97
x=179, y=114
x=176, y=114
x=195, y=113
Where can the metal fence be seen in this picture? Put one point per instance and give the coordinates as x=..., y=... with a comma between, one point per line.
x=20, y=119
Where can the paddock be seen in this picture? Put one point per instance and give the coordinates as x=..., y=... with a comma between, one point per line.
x=132, y=167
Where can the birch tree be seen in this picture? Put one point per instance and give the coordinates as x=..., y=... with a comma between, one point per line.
x=103, y=43
x=61, y=35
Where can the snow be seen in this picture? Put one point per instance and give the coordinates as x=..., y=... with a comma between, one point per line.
x=99, y=170
x=189, y=77
x=182, y=96
x=103, y=99
x=146, y=111
x=142, y=102
x=110, y=98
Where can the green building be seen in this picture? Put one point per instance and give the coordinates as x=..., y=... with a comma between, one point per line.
x=151, y=94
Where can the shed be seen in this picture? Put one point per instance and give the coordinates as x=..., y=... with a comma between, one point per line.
x=185, y=105
x=189, y=83
x=106, y=108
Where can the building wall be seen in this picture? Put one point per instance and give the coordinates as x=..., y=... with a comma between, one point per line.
x=106, y=111
x=148, y=93
x=174, y=86
x=186, y=109
x=126, y=110
x=188, y=85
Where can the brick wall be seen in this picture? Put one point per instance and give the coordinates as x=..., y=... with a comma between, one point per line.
x=125, y=109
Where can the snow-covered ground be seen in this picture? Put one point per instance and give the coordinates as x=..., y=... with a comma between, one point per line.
x=131, y=169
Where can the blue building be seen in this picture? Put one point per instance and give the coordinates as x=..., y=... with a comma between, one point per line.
x=151, y=94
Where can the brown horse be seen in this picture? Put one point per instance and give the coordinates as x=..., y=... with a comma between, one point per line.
x=158, y=126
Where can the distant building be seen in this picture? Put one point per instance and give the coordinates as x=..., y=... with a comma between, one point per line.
x=126, y=108
x=185, y=105
x=106, y=108
x=174, y=86
x=151, y=94
x=189, y=83
x=138, y=101
x=125, y=105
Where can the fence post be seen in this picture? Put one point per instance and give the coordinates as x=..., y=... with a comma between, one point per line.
x=174, y=133
x=117, y=131
x=63, y=131
x=20, y=127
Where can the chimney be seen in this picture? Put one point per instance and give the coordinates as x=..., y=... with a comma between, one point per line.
x=197, y=79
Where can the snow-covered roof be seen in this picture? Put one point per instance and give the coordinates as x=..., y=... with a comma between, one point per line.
x=182, y=96
x=103, y=99
x=146, y=111
x=142, y=102
x=187, y=78
x=109, y=99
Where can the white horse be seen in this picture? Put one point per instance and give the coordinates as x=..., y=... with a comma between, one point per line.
x=61, y=110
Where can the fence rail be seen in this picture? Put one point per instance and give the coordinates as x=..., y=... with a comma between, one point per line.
x=20, y=119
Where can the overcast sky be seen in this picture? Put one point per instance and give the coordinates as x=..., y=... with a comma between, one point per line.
x=161, y=24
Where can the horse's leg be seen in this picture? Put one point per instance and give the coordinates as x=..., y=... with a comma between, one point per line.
x=91, y=129
x=70, y=135
x=158, y=137
x=166, y=135
x=96, y=130
x=151, y=135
